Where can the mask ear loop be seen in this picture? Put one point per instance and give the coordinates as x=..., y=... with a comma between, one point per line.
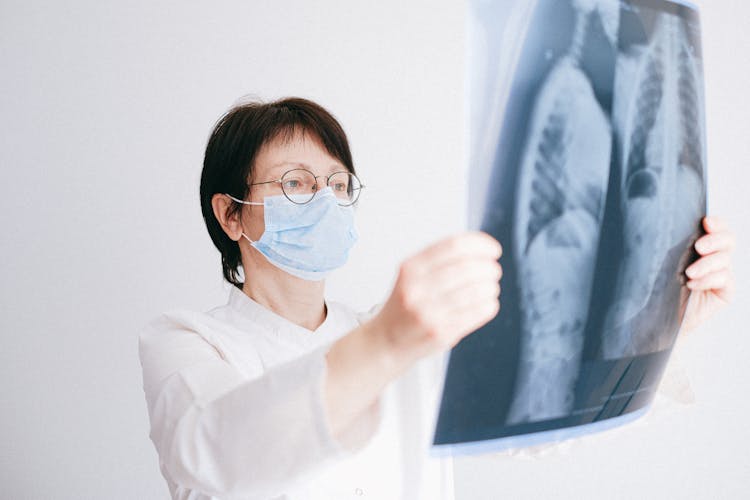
x=245, y=203
x=248, y=239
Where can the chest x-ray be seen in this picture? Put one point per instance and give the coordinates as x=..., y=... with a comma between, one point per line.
x=588, y=164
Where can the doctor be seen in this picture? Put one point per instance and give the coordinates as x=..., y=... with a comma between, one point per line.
x=282, y=394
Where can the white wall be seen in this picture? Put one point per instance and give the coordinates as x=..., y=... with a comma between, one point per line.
x=104, y=112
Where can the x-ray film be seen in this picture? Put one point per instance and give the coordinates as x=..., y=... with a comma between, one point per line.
x=587, y=146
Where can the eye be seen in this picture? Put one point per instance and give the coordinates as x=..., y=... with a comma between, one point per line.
x=298, y=181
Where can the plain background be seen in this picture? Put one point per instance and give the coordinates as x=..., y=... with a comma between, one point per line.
x=105, y=109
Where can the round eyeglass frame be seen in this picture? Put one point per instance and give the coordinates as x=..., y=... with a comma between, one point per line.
x=280, y=180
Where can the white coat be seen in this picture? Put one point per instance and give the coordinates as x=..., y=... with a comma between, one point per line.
x=235, y=401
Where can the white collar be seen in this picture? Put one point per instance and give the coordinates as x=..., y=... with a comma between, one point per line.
x=259, y=315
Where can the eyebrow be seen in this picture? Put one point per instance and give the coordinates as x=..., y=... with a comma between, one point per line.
x=331, y=169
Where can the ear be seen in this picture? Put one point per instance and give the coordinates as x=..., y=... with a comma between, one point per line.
x=231, y=225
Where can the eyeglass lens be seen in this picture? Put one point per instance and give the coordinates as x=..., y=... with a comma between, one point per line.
x=300, y=185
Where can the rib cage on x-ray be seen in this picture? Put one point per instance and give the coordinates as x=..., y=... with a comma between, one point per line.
x=656, y=122
x=559, y=208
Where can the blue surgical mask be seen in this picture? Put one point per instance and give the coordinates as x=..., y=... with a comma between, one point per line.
x=308, y=240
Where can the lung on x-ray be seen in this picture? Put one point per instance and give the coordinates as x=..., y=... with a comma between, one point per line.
x=587, y=145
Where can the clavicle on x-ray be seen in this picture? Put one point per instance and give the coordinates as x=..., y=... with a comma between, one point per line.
x=588, y=163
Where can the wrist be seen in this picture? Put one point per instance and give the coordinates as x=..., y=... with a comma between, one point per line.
x=392, y=353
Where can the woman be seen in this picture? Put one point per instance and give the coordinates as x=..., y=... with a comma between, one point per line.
x=282, y=394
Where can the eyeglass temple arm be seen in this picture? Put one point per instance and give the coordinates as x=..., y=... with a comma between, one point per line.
x=243, y=201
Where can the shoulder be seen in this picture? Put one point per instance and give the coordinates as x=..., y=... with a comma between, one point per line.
x=178, y=320
x=182, y=339
x=177, y=329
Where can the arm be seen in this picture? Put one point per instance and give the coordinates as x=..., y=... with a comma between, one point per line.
x=441, y=295
x=221, y=434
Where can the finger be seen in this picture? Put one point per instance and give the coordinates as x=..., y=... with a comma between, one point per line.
x=461, y=246
x=709, y=264
x=712, y=281
x=461, y=303
x=714, y=223
x=467, y=298
x=431, y=287
x=452, y=276
x=440, y=308
x=463, y=323
x=714, y=242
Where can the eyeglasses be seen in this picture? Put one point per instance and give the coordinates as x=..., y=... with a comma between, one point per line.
x=300, y=185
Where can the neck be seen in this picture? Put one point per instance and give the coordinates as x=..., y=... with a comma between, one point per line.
x=300, y=301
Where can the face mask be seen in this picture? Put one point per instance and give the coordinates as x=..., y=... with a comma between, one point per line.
x=308, y=241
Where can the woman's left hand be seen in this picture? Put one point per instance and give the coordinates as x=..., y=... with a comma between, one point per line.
x=710, y=278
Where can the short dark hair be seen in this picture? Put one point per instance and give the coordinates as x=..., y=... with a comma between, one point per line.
x=233, y=145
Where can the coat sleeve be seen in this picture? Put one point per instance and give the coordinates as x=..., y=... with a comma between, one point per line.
x=218, y=432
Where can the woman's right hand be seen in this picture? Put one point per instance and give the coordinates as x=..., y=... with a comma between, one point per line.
x=442, y=294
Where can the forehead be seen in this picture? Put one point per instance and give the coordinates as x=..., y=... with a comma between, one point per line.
x=301, y=150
